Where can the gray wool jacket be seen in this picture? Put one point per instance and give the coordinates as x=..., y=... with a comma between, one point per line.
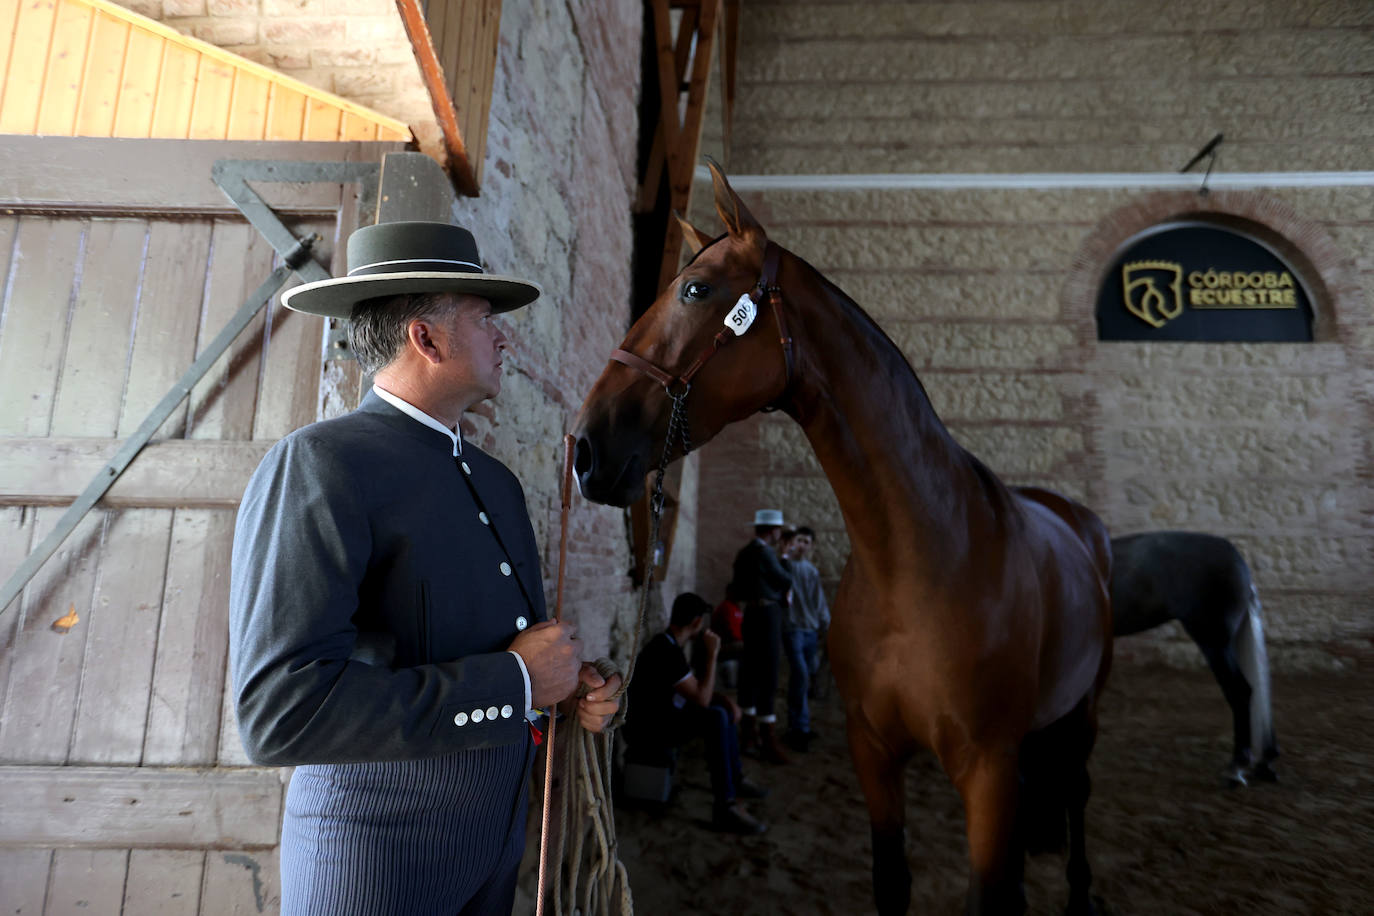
x=375, y=586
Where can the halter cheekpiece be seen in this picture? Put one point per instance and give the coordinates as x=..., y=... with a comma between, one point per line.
x=678, y=386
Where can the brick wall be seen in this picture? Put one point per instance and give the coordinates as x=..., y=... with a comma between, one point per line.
x=991, y=293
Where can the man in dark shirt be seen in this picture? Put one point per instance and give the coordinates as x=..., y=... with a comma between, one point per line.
x=668, y=705
x=762, y=583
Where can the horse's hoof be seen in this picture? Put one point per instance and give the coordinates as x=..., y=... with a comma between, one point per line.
x=1235, y=778
x=1263, y=772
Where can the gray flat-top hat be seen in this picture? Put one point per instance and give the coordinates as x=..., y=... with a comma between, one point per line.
x=409, y=257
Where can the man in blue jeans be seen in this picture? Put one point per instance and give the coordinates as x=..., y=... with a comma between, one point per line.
x=669, y=704
x=808, y=617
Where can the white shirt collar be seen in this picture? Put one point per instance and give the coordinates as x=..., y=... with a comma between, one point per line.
x=419, y=415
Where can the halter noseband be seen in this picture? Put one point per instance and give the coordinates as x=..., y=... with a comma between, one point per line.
x=766, y=287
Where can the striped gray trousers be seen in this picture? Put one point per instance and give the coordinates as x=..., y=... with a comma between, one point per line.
x=416, y=837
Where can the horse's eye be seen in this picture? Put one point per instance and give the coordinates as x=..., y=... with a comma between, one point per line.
x=696, y=290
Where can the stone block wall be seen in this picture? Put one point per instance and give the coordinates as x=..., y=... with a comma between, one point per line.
x=1052, y=85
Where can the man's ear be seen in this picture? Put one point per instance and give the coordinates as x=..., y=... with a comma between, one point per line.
x=420, y=338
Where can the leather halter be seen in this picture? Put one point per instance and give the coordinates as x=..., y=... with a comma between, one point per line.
x=766, y=287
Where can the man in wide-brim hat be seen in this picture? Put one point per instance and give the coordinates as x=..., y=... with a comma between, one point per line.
x=761, y=582
x=388, y=634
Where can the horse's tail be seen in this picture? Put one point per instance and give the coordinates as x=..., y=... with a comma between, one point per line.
x=1248, y=644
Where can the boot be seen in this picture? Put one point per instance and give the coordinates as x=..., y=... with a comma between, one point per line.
x=749, y=735
x=733, y=817
x=770, y=746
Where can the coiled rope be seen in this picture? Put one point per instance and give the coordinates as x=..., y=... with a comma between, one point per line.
x=591, y=880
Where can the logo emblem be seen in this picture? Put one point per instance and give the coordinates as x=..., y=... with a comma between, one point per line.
x=1153, y=291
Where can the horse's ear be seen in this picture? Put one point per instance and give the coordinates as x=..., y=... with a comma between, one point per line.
x=695, y=238
x=734, y=214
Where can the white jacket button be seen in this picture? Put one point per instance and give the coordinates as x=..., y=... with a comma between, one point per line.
x=477, y=715
x=461, y=719
x=506, y=711
x=521, y=623
x=505, y=568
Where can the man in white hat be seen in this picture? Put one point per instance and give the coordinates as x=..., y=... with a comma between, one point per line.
x=387, y=621
x=761, y=583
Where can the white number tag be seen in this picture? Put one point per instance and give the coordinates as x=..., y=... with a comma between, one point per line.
x=742, y=315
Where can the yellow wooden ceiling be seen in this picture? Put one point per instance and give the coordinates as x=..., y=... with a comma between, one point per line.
x=90, y=68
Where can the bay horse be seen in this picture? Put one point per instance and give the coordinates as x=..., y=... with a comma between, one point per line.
x=1203, y=582
x=971, y=618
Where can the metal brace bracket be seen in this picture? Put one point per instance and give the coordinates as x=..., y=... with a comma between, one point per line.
x=233, y=175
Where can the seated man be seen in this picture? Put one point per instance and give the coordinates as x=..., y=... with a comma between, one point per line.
x=668, y=705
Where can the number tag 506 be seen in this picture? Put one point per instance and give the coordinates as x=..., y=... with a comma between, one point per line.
x=742, y=315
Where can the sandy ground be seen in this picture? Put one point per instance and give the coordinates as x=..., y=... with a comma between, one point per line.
x=1164, y=836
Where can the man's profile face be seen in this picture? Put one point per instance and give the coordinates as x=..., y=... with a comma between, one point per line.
x=476, y=340
x=799, y=546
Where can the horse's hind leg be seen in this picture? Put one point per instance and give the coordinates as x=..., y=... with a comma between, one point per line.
x=990, y=789
x=1077, y=788
x=1221, y=659
x=880, y=774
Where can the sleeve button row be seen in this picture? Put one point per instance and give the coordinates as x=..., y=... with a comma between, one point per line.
x=479, y=715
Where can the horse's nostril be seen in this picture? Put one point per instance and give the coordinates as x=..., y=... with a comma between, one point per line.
x=582, y=457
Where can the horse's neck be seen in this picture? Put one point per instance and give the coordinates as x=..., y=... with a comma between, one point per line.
x=906, y=488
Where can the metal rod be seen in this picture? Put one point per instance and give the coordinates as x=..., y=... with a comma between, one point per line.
x=544, y=868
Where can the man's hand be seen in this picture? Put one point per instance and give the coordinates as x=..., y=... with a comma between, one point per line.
x=711, y=639
x=595, y=709
x=551, y=656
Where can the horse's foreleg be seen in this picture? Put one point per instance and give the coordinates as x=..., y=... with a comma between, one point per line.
x=880, y=775
x=990, y=790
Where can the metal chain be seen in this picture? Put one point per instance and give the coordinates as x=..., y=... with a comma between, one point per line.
x=677, y=429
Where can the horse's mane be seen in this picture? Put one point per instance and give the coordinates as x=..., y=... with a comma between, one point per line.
x=911, y=391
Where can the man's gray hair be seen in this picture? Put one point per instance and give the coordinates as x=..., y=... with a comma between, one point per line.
x=377, y=330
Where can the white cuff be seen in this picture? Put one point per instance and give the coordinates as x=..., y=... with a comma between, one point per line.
x=525, y=673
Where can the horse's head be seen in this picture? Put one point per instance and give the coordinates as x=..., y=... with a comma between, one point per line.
x=709, y=347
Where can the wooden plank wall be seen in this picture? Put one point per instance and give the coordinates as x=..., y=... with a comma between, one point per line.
x=122, y=780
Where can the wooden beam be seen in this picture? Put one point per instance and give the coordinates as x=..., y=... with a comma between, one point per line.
x=458, y=163
x=176, y=473
x=685, y=146
x=67, y=174
x=729, y=57
x=668, y=124
x=140, y=807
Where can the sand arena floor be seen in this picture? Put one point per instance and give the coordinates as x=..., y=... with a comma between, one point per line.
x=1164, y=836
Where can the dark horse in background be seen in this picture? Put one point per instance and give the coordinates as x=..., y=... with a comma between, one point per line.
x=972, y=618
x=1204, y=583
